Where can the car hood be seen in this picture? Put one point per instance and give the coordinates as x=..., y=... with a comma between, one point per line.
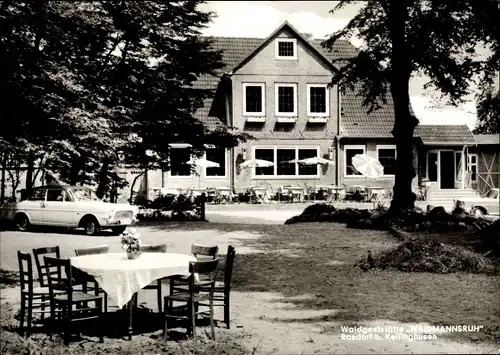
x=109, y=205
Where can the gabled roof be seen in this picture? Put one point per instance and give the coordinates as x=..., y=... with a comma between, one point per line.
x=487, y=139
x=234, y=50
x=284, y=26
x=444, y=134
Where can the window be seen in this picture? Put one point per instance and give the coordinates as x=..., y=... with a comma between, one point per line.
x=281, y=158
x=178, y=159
x=472, y=166
x=55, y=195
x=217, y=155
x=286, y=99
x=38, y=195
x=286, y=48
x=317, y=100
x=308, y=169
x=254, y=99
x=386, y=155
x=349, y=152
x=284, y=166
x=264, y=154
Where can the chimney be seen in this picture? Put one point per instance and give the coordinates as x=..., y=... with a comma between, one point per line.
x=307, y=35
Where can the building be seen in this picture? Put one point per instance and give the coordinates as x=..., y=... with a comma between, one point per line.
x=483, y=162
x=277, y=90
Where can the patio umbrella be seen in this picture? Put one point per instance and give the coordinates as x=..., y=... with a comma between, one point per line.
x=203, y=163
x=256, y=163
x=367, y=166
x=315, y=161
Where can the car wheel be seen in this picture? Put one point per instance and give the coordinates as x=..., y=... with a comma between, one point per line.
x=22, y=222
x=478, y=212
x=91, y=226
x=118, y=230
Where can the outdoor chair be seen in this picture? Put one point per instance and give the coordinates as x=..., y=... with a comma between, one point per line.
x=192, y=299
x=222, y=289
x=39, y=253
x=61, y=304
x=285, y=194
x=200, y=252
x=32, y=296
x=155, y=285
x=100, y=249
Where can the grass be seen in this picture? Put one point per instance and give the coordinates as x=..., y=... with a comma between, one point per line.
x=317, y=259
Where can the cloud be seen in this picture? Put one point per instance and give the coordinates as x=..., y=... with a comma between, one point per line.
x=427, y=113
x=245, y=19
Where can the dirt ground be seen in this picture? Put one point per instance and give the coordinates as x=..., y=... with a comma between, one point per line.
x=271, y=307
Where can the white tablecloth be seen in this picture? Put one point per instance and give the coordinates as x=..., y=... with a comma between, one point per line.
x=121, y=277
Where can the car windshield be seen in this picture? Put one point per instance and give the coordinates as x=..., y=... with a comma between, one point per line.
x=84, y=194
x=492, y=194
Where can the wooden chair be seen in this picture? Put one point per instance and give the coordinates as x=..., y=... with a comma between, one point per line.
x=100, y=249
x=61, y=305
x=39, y=253
x=222, y=289
x=200, y=252
x=32, y=296
x=155, y=285
x=193, y=299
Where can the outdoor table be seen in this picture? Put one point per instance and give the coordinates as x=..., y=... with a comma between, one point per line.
x=334, y=193
x=297, y=192
x=122, y=278
x=225, y=194
x=261, y=194
x=375, y=193
x=198, y=191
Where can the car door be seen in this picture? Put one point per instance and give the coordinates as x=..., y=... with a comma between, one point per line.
x=34, y=205
x=56, y=212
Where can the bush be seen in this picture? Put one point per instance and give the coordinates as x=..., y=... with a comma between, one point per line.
x=171, y=208
x=425, y=255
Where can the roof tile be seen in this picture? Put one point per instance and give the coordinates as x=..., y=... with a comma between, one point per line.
x=355, y=121
x=445, y=134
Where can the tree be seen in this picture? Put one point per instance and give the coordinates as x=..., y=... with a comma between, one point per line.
x=83, y=76
x=412, y=37
x=488, y=112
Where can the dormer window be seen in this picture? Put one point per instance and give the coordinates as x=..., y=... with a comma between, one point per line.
x=286, y=49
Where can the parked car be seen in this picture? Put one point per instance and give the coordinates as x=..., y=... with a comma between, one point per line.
x=479, y=206
x=69, y=206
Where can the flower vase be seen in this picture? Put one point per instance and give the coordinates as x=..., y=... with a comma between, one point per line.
x=132, y=255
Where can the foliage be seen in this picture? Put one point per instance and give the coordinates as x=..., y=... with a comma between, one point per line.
x=80, y=77
x=488, y=113
x=427, y=255
x=130, y=240
x=167, y=208
x=404, y=38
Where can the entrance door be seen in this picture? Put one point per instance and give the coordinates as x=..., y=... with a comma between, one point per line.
x=447, y=169
x=432, y=166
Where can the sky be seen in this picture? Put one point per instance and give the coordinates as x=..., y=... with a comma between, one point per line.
x=261, y=18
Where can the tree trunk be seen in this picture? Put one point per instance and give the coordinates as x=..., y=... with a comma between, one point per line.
x=76, y=167
x=29, y=173
x=405, y=122
x=2, y=183
x=103, y=180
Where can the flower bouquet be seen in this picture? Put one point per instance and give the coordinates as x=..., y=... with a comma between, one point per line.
x=131, y=243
